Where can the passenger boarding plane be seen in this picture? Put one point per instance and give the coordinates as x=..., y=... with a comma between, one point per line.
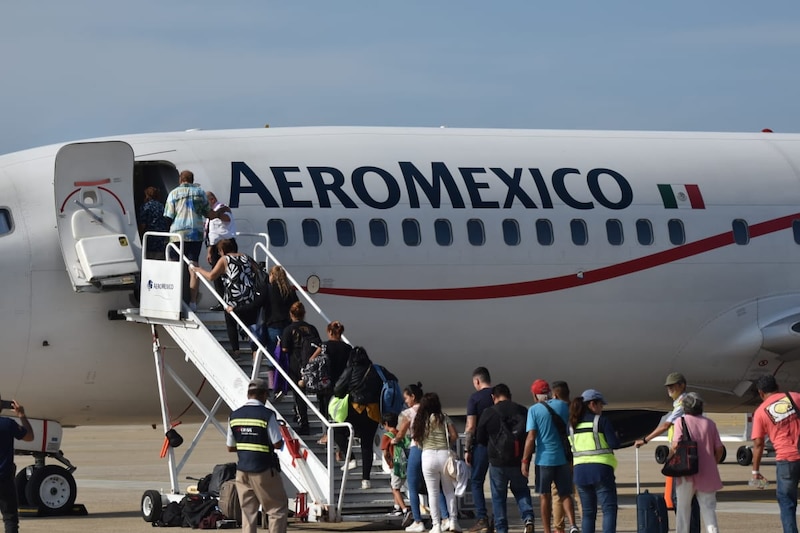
x=608, y=259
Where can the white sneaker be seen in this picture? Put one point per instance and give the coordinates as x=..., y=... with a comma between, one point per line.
x=365, y=484
x=436, y=529
x=416, y=527
x=445, y=525
x=453, y=525
x=352, y=465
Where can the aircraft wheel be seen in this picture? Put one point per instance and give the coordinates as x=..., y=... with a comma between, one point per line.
x=21, y=482
x=51, y=489
x=724, y=455
x=744, y=456
x=151, y=505
x=661, y=454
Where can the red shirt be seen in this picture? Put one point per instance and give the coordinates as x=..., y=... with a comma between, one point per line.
x=777, y=418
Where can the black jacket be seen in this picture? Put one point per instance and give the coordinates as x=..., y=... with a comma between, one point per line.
x=514, y=416
x=361, y=382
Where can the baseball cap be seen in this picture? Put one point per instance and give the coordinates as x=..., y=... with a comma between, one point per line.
x=675, y=377
x=593, y=394
x=258, y=384
x=540, y=386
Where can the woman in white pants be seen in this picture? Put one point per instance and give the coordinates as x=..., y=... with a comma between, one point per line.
x=706, y=482
x=435, y=434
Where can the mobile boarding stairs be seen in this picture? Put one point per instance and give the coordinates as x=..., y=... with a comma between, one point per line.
x=325, y=492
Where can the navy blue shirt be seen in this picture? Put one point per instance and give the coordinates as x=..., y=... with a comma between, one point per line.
x=478, y=402
x=9, y=430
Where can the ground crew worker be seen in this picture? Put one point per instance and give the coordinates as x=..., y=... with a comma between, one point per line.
x=593, y=442
x=254, y=435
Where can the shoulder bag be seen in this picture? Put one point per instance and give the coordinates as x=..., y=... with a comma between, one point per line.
x=562, y=430
x=683, y=461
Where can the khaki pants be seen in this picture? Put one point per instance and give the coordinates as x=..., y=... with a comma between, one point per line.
x=265, y=488
x=558, y=509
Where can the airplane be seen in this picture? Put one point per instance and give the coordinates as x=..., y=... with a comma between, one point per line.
x=604, y=258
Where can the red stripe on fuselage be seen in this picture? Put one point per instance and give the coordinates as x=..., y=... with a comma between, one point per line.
x=527, y=288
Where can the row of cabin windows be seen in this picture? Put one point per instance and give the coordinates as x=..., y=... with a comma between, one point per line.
x=476, y=234
x=512, y=234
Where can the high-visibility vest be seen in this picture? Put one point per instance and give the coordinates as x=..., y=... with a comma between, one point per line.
x=589, y=445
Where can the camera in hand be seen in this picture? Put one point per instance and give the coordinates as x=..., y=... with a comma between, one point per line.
x=6, y=404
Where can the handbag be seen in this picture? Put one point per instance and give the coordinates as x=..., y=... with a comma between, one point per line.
x=338, y=408
x=683, y=461
x=451, y=465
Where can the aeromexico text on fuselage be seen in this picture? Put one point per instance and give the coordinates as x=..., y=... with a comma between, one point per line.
x=382, y=188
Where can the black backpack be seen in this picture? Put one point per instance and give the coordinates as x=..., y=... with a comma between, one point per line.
x=306, y=342
x=196, y=507
x=509, y=442
x=220, y=475
x=171, y=516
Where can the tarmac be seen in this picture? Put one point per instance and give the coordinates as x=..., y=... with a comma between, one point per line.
x=116, y=464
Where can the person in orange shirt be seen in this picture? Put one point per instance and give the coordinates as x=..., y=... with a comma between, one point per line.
x=778, y=417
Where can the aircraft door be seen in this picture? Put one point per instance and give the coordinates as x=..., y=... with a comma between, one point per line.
x=95, y=215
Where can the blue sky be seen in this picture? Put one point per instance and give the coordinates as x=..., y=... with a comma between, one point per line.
x=80, y=69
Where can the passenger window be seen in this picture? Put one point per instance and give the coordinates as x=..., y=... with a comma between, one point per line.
x=6, y=224
x=511, y=232
x=443, y=231
x=345, y=232
x=378, y=232
x=580, y=236
x=614, y=232
x=796, y=231
x=676, y=234
x=544, y=232
x=644, y=232
x=312, y=233
x=741, y=231
x=411, y=233
x=475, y=233
x=276, y=229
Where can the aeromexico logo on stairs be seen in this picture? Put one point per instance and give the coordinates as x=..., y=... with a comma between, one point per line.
x=153, y=285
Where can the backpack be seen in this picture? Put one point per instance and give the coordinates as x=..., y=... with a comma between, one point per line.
x=220, y=475
x=239, y=287
x=171, y=516
x=392, y=400
x=229, y=501
x=510, y=440
x=400, y=456
x=196, y=507
x=306, y=340
x=316, y=375
x=261, y=277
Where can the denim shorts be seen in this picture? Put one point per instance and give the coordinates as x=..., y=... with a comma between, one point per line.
x=561, y=475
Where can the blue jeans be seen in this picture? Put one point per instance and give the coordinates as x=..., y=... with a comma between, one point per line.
x=415, y=481
x=480, y=465
x=500, y=477
x=605, y=493
x=787, y=474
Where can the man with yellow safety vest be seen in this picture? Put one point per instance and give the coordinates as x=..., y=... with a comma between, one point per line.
x=254, y=435
x=593, y=442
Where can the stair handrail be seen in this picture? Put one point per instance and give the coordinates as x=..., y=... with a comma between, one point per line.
x=330, y=426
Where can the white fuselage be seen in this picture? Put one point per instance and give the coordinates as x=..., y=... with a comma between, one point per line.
x=615, y=317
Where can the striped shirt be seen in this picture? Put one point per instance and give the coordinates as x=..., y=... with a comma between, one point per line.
x=187, y=206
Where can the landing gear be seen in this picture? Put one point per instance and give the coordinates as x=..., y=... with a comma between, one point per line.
x=51, y=489
x=744, y=456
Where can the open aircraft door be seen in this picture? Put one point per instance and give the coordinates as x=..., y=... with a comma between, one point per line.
x=95, y=215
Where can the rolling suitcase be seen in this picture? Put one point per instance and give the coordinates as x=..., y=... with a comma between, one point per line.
x=651, y=509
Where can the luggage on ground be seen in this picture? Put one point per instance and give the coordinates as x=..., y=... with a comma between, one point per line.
x=651, y=509
x=220, y=475
x=229, y=501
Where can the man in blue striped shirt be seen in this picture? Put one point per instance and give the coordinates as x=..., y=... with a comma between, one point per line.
x=186, y=207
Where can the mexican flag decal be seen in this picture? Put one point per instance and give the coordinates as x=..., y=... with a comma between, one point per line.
x=681, y=196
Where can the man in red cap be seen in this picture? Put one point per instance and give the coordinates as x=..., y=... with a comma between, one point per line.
x=547, y=428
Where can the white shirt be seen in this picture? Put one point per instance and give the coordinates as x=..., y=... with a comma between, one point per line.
x=218, y=229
